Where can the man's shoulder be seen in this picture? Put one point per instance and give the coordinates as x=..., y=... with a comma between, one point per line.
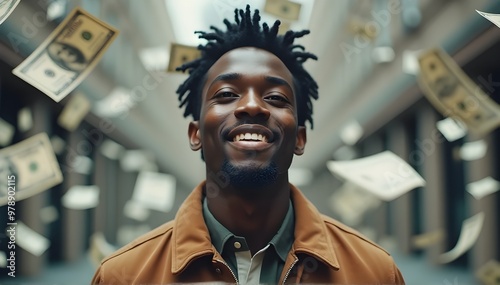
x=351, y=237
x=143, y=244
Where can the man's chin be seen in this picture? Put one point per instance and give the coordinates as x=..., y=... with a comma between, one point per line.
x=250, y=175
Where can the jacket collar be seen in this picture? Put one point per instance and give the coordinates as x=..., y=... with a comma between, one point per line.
x=191, y=238
x=311, y=235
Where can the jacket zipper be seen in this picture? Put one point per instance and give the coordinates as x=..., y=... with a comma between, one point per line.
x=230, y=270
x=289, y=270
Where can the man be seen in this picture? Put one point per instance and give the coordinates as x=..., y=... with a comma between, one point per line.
x=250, y=98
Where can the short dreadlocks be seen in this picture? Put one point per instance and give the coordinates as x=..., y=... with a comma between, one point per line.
x=246, y=31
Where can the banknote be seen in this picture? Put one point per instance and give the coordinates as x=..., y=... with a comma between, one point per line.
x=135, y=210
x=73, y=113
x=68, y=55
x=351, y=203
x=471, y=228
x=6, y=132
x=81, y=197
x=180, y=54
x=455, y=95
x=283, y=9
x=24, y=119
x=484, y=187
x=451, y=129
x=385, y=175
x=428, y=239
x=494, y=18
x=6, y=8
x=34, y=166
x=30, y=240
x=155, y=191
x=99, y=248
x=489, y=273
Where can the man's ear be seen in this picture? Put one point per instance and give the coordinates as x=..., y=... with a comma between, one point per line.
x=194, y=136
x=300, y=142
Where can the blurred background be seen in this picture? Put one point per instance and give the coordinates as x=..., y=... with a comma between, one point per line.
x=109, y=160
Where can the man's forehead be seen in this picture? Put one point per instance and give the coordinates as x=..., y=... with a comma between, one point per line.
x=249, y=60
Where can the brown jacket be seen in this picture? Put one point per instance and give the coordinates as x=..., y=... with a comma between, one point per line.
x=324, y=251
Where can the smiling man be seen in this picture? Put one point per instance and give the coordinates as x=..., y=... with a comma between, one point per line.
x=250, y=97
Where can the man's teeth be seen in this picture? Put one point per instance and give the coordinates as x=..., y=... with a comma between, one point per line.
x=250, y=137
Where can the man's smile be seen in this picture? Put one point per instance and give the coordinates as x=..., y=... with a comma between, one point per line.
x=250, y=137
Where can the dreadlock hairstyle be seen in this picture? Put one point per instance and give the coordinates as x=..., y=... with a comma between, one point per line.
x=247, y=32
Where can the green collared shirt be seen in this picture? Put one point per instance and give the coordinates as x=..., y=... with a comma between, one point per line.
x=275, y=254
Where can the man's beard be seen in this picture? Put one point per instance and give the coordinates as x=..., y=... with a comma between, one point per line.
x=249, y=177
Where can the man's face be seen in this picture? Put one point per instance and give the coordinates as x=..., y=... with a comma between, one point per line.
x=248, y=118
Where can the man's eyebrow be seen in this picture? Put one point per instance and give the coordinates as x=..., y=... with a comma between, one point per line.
x=277, y=81
x=227, y=77
x=233, y=76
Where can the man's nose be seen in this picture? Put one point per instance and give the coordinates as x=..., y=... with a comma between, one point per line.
x=252, y=105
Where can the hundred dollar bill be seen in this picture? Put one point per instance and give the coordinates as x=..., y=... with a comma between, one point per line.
x=34, y=166
x=6, y=8
x=455, y=95
x=385, y=174
x=68, y=55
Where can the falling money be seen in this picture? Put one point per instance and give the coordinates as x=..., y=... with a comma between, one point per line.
x=68, y=55
x=455, y=95
x=34, y=165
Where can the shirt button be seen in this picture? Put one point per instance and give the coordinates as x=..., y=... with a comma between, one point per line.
x=237, y=245
x=218, y=270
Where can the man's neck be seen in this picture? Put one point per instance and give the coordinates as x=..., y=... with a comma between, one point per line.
x=256, y=215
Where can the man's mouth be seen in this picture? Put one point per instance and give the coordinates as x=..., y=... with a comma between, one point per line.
x=250, y=137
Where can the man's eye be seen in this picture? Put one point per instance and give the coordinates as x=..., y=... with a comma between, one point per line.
x=226, y=95
x=277, y=98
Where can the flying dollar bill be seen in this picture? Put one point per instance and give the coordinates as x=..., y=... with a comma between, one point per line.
x=351, y=203
x=180, y=54
x=385, y=174
x=494, y=18
x=30, y=240
x=73, y=113
x=471, y=228
x=489, y=273
x=454, y=94
x=33, y=165
x=428, y=239
x=68, y=55
x=6, y=8
x=154, y=190
x=99, y=248
x=283, y=9
x=6, y=132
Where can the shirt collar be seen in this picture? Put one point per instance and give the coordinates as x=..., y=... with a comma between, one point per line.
x=218, y=233
x=281, y=242
x=283, y=239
